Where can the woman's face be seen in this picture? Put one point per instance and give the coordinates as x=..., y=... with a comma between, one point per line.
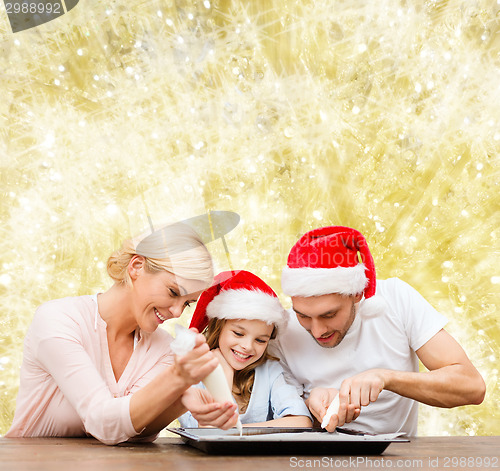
x=159, y=296
x=242, y=341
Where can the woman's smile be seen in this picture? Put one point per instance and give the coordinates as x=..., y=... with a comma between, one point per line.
x=161, y=318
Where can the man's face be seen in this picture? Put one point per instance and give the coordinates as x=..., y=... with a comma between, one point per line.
x=327, y=318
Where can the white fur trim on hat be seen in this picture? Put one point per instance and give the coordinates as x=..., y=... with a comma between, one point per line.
x=247, y=304
x=373, y=307
x=319, y=281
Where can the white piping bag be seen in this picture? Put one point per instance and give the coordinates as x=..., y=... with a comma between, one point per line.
x=215, y=382
x=333, y=408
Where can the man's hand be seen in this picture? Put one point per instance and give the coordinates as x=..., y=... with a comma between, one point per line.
x=320, y=399
x=362, y=389
x=207, y=412
x=197, y=364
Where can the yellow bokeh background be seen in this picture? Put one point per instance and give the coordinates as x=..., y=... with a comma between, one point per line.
x=381, y=116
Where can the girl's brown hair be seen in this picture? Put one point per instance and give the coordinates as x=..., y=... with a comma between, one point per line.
x=243, y=379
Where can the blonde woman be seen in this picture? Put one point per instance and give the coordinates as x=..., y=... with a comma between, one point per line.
x=98, y=365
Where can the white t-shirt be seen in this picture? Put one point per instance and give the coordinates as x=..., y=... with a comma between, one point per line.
x=386, y=340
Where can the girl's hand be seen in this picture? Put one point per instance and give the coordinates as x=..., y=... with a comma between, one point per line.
x=228, y=370
x=197, y=364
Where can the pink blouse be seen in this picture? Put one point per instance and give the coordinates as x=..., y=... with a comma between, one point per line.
x=67, y=386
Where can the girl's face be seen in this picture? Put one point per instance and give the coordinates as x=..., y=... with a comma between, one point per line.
x=242, y=341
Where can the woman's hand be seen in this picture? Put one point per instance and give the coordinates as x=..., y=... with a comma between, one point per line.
x=228, y=369
x=207, y=412
x=197, y=364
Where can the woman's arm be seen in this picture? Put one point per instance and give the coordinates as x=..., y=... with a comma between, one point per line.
x=158, y=403
x=116, y=419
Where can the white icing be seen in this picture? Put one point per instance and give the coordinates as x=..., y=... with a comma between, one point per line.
x=332, y=409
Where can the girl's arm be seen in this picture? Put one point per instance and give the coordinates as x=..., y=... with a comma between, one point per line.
x=287, y=421
x=289, y=410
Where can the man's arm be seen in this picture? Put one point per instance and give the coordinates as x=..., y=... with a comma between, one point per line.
x=452, y=380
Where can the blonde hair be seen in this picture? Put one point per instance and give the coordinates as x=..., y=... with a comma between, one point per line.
x=243, y=379
x=176, y=248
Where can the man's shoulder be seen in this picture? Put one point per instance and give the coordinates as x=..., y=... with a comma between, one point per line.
x=392, y=283
x=293, y=328
x=394, y=288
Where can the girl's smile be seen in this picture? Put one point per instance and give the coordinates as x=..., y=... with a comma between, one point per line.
x=241, y=356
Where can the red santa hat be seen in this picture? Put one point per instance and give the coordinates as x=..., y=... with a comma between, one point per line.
x=239, y=295
x=325, y=261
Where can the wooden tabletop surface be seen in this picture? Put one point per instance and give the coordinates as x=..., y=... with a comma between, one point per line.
x=170, y=454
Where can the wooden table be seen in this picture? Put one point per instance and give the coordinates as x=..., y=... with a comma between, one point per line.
x=169, y=454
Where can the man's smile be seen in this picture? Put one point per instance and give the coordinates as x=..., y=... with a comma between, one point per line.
x=326, y=339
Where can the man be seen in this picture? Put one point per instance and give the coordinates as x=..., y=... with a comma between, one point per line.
x=350, y=334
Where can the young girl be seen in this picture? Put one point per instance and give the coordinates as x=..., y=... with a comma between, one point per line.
x=241, y=314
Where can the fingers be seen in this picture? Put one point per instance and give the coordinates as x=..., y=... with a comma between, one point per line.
x=197, y=364
x=208, y=412
x=362, y=389
x=318, y=410
x=231, y=422
x=350, y=413
x=333, y=424
x=218, y=354
x=358, y=392
x=345, y=398
x=341, y=416
x=374, y=393
x=318, y=403
x=189, y=363
x=200, y=339
x=318, y=414
x=224, y=416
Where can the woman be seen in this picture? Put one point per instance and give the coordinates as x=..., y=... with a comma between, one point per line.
x=98, y=365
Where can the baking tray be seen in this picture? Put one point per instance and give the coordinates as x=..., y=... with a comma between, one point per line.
x=286, y=441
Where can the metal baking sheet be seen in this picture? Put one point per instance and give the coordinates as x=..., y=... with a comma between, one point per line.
x=286, y=441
